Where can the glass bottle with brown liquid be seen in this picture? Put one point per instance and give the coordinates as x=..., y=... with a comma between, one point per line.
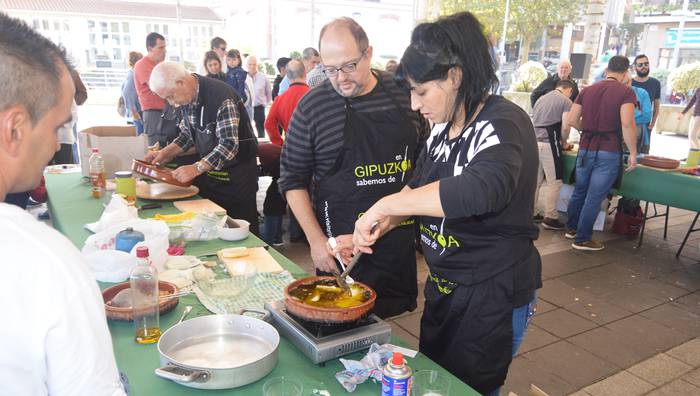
x=144, y=298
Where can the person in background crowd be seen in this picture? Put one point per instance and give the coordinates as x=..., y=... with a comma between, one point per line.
x=151, y=105
x=218, y=45
x=694, y=132
x=391, y=66
x=278, y=119
x=214, y=122
x=282, y=69
x=473, y=188
x=55, y=339
x=493, y=51
x=340, y=130
x=66, y=137
x=563, y=73
x=262, y=94
x=315, y=76
x=552, y=132
x=642, y=116
x=212, y=64
x=236, y=75
x=653, y=88
x=129, y=96
x=604, y=113
x=310, y=58
x=250, y=95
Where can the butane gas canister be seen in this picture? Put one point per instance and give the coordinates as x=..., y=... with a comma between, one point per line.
x=396, y=377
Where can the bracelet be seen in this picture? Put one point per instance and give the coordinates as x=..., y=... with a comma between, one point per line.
x=200, y=167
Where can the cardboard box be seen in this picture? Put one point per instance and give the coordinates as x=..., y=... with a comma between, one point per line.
x=118, y=145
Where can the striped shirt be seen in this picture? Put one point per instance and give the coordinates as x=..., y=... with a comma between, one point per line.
x=315, y=134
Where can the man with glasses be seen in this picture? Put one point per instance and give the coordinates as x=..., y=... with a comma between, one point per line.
x=218, y=45
x=653, y=88
x=353, y=140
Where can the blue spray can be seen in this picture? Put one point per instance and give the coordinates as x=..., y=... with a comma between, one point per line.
x=396, y=377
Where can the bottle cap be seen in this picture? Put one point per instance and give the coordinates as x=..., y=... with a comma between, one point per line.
x=142, y=251
x=397, y=359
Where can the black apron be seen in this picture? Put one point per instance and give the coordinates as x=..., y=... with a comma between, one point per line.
x=465, y=328
x=554, y=135
x=233, y=187
x=375, y=161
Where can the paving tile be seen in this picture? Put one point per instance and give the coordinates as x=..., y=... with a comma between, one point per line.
x=648, y=332
x=688, y=352
x=543, y=306
x=410, y=323
x=580, y=393
x=563, y=323
x=523, y=372
x=576, y=365
x=556, y=247
x=675, y=318
x=692, y=377
x=621, y=350
x=603, y=279
x=597, y=310
x=684, y=279
x=561, y=294
x=562, y=263
x=660, y=369
x=404, y=335
x=690, y=302
x=676, y=388
x=536, y=337
x=642, y=296
x=620, y=384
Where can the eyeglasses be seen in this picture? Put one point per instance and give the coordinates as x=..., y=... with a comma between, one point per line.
x=332, y=71
x=642, y=64
x=222, y=48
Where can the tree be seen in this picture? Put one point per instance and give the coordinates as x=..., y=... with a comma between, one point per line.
x=527, y=18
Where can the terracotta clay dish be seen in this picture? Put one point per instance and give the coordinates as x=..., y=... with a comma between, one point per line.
x=155, y=172
x=318, y=314
x=163, y=191
x=659, y=162
x=122, y=313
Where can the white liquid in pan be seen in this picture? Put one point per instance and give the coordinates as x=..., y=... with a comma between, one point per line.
x=221, y=351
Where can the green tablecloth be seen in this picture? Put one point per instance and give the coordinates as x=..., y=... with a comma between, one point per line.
x=71, y=206
x=647, y=184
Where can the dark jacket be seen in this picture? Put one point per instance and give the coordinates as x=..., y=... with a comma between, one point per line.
x=236, y=78
x=548, y=85
x=276, y=86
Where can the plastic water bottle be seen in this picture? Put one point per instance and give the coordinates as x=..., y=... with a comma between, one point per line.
x=97, y=174
x=144, y=298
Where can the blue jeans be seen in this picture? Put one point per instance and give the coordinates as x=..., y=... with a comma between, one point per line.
x=594, y=179
x=272, y=229
x=521, y=319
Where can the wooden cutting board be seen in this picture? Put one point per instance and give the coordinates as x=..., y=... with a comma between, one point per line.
x=200, y=206
x=259, y=257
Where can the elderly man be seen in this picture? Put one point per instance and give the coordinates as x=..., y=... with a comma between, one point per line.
x=604, y=113
x=354, y=140
x=151, y=105
x=262, y=94
x=311, y=60
x=55, y=338
x=563, y=73
x=214, y=121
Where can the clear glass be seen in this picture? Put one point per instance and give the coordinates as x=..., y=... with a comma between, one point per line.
x=282, y=386
x=144, y=302
x=430, y=383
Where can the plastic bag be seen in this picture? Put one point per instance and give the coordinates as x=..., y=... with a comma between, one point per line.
x=155, y=233
x=117, y=211
x=357, y=372
x=110, y=265
x=203, y=227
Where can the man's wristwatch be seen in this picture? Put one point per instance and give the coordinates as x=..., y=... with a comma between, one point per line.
x=200, y=167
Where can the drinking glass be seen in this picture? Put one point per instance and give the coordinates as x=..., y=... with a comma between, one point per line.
x=282, y=386
x=430, y=383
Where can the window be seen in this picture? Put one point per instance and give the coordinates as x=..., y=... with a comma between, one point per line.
x=35, y=23
x=127, y=40
x=125, y=27
x=148, y=28
x=115, y=27
x=66, y=26
x=91, y=25
x=105, y=39
x=116, y=40
x=103, y=26
x=165, y=30
x=117, y=53
x=211, y=31
x=45, y=24
x=56, y=25
x=93, y=40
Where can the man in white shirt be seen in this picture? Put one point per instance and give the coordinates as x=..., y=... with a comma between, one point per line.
x=262, y=94
x=54, y=337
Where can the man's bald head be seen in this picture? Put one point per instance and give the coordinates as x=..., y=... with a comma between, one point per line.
x=351, y=26
x=564, y=69
x=296, y=72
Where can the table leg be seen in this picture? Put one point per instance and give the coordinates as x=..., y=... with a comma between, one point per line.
x=644, y=223
x=687, y=234
x=668, y=209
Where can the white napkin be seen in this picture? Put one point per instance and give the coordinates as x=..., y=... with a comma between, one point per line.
x=117, y=211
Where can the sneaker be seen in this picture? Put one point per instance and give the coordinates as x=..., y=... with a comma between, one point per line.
x=537, y=218
x=588, y=245
x=570, y=234
x=552, y=224
x=278, y=244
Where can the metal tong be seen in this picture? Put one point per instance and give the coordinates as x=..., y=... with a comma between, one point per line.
x=340, y=279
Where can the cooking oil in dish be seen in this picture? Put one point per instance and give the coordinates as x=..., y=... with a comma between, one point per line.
x=327, y=294
x=147, y=335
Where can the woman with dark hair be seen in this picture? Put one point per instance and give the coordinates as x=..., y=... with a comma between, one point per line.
x=212, y=65
x=473, y=190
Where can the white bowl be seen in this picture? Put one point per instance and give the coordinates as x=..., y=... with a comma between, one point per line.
x=234, y=230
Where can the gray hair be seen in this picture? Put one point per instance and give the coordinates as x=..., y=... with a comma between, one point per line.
x=165, y=75
x=295, y=70
x=249, y=58
x=309, y=53
x=28, y=80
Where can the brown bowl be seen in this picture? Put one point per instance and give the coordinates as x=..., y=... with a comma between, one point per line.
x=156, y=172
x=659, y=162
x=119, y=313
x=326, y=315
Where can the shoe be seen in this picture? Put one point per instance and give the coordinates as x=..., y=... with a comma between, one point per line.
x=552, y=224
x=537, y=218
x=570, y=234
x=588, y=245
x=277, y=245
